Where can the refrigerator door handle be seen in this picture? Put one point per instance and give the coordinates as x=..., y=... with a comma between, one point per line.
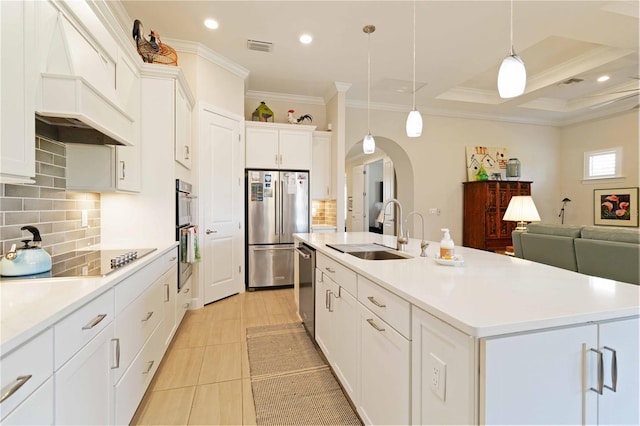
x=276, y=204
x=281, y=206
x=272, y=248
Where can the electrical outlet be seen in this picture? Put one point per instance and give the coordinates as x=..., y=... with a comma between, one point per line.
x=84, y=222
x=434, y=211
x=438, y=376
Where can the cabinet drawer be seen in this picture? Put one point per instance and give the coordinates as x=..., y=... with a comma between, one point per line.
x=77, y=329
x=183, y=302
x=342, y=275
x=131, y=388
x=127, y=290
x=386, y=305
x=136, y=322
x=35, y=359
x=35, y=410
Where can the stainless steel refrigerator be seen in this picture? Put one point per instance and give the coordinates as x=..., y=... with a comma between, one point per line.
x=277, y=206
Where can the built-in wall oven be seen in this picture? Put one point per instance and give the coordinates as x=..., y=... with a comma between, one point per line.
x=185, y=229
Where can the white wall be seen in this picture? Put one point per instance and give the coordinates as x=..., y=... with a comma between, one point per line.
x=439, y=163
x=620, y=130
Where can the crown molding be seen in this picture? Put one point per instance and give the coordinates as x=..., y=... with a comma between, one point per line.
x=285, y=97
x=203, y=51
x=338, y=87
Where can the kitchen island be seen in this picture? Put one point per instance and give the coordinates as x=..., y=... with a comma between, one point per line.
x=496, y=339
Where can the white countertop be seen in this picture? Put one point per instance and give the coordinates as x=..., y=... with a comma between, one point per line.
x=29, y=306
x=490, y=294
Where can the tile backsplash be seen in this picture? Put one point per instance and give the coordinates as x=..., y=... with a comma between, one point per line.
x=323, y=212
x=48, y=206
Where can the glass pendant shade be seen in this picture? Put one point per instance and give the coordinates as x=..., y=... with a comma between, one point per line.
x=368, y=144
x=414, y=124
x=512, y=77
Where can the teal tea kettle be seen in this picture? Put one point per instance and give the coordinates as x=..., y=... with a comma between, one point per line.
x=28, y=259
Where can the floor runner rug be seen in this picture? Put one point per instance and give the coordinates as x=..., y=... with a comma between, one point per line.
x=290, y=381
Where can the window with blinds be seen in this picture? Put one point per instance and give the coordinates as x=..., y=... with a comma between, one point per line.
x=603, y=164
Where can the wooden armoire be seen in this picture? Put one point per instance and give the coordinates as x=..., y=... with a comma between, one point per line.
x=484, y=205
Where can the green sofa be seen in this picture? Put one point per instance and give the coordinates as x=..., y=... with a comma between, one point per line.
x=605, y=252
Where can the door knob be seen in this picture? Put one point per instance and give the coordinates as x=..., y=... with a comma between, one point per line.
x=209, y=231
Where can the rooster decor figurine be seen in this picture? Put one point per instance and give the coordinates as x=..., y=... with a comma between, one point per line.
x=291, y=119
x=153, y=50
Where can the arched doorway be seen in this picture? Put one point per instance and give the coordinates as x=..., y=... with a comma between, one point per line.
x=403, y=188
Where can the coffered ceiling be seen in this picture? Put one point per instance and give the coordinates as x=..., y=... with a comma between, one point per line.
x=565, y=46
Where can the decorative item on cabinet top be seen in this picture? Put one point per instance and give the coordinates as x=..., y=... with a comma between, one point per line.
x=492, y=160
x=291, y=119
x=262, y=113
x=153, y=51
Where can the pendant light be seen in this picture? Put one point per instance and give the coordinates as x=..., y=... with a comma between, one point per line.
x=368, y=143
x=512, y=76
x=414, y=120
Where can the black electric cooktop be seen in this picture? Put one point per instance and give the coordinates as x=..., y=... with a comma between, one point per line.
x=89, y=263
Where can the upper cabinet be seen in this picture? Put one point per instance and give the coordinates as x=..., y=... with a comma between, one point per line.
x=183, y=107
x=17, y=91
x=278, y=146
x=322, y=169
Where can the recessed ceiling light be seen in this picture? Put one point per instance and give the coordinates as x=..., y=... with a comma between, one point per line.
x=603, y=78
x=306, y=39
x=212, y=24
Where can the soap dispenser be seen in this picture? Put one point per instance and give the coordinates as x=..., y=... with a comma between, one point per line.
x=446, y=245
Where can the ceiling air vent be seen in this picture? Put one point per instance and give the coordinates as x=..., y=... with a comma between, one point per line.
x=259, y=46
x=572, y=80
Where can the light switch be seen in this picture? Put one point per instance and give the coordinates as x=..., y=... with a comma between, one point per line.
x=84, y=222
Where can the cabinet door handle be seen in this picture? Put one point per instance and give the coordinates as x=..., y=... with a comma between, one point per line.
x=149, y=367
x=374, y=325
x=149, y=315
x=173, y=259
x=185, y=306
x=187, y=290
x=614, y=369
x=20, y=380
x=375, y=302
x=123, y=170
x=117, y=353
x=94, y=322
x=326, y=299
x=186, y=152
x=599, y=390
x=280, y=159
x=330, y=303
x=276, y=159
x=331, y=271
x=167, y=296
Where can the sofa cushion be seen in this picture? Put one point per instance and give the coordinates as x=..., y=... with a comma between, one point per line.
x=608, y=259
x=623, y=235
x=572, y=231
x=549, y=249
x=516, y=238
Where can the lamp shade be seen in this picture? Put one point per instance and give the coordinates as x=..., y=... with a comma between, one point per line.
x=414, y=124
x=512, y=77
x=521, y=209
x=368, y=144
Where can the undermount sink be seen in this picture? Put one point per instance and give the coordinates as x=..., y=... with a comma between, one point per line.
x=379, y=255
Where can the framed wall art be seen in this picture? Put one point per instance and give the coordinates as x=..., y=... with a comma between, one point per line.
x=616, y=207
x=492, y=159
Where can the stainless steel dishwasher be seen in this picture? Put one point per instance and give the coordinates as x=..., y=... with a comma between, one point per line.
x=306, y=278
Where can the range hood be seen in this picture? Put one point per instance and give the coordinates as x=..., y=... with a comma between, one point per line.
x=76, y=96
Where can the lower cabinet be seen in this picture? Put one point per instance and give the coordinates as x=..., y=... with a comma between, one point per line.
x=183, y=301
x=168, y=327
x=384, y=372
x=84, y=385
x=580, y=375
x=35, y=410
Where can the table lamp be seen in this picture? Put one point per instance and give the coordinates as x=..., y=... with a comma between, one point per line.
x=521, y=209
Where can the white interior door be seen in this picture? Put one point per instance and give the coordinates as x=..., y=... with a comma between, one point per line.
x=222, y=197
x=388, y=190
x=357, y=192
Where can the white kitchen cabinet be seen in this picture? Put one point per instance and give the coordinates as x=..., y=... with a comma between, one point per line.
x=168, y=327
x=278, y=146
x=559, y=370
x=84, y=385
x=443, y=383
x=35, y=410
x=384, y=372
x=183, y=301
x=321, y=169
x=183, y=127
x=167, y=87
x=323, y=328
x=103, y=168
x=23, y=371
x=17, y=91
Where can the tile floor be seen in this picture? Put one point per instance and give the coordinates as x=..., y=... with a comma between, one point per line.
x=204, y=376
